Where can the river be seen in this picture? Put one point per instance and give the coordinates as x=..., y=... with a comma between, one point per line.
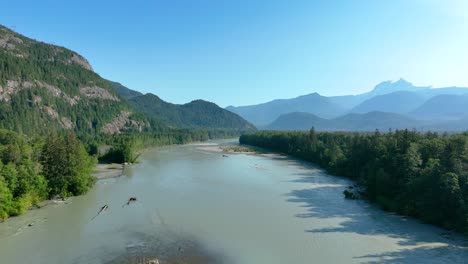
x=237, y=209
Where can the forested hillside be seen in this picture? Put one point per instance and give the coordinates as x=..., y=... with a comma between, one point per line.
x=44, y=86
x=197, y=114
x=420, y=175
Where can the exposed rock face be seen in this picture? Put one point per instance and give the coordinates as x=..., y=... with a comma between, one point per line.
x=64, y=121
x=81, y=61
x=98, y=92
x=8, y=41
x=51, y=112
x=67, y=123
x=59, y=93
x=122, y=122
x=13, y=86
x=37, y=99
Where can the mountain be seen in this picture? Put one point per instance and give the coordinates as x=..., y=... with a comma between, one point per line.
x=445, y=106
x=196, y=114
x=351, y=101
x=328, y=107
x=350, y=122
x=299, y=121
x=263, y=114
x=389, y=91
x=400, y=102
x=397, y=86
x=375, y=120
x=399, y=97
x=44, y=86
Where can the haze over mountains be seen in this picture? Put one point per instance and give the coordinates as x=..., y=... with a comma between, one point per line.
x=390, y=105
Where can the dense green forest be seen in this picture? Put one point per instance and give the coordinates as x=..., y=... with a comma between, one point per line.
x=414, y=174
x=33, y=169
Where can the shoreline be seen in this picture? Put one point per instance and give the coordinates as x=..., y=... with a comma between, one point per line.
x=101, y=171
x=238, y=149
x=108, y=170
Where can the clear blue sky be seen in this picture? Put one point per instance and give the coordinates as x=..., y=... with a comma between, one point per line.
x=244, y=51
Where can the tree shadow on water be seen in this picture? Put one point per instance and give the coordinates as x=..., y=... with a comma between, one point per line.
x=324, y=203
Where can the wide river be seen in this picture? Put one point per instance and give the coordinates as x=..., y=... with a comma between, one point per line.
x=242, y=209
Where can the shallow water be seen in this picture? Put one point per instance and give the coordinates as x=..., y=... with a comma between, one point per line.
x=242, y=209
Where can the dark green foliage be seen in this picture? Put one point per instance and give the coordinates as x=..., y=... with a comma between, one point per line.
x=66, y=165
x=21, y=180
x=421, y=175
x=33, y=169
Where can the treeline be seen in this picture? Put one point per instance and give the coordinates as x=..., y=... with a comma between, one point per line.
x=125, y=148
x=34, y=169
x=414, y=174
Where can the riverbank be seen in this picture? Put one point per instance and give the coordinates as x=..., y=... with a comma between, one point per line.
x=108, y=170
x=236, y=149
x=399, y=171
x=101, y=171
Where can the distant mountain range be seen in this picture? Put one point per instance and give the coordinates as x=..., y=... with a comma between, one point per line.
x=349, y=122
x=371, y=121
x=401, y=102
x=263, y=114
x=394, y=105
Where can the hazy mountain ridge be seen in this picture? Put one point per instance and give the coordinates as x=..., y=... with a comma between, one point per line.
x=371, y=121
x=265, y=113
x=350, y=122
x=400, y=102
x=400, y=97
x=444, y=106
